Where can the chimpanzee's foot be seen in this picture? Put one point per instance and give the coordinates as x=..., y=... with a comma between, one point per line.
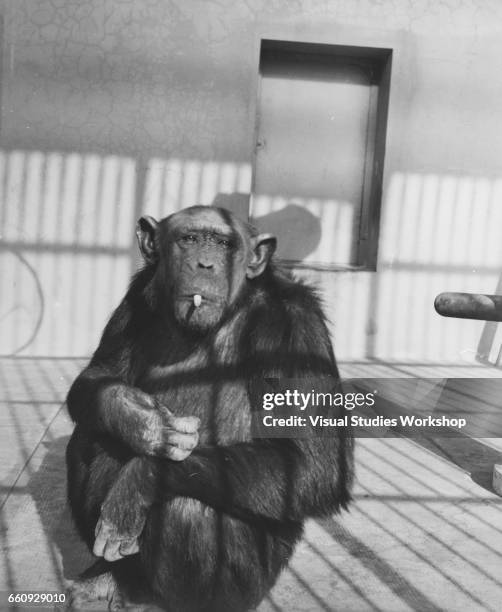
x=81, y=593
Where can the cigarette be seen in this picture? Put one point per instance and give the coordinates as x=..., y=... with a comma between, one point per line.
x=197, y=300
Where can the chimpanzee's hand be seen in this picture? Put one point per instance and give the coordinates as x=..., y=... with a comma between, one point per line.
x=123, y=513
x=171, y=436
x=146, y=426
x=117, y=538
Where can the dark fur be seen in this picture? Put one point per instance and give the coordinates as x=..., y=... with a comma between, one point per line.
x=223, y=522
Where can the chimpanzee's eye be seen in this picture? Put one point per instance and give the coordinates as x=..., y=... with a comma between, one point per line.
x=225, y=243
x=189, y=239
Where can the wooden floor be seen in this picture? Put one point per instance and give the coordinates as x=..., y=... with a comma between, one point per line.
x=424, y=532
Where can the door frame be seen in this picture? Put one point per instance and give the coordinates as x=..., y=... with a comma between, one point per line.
x=379, y=60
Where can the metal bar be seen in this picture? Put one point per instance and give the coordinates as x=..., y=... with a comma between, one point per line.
x=469, y=306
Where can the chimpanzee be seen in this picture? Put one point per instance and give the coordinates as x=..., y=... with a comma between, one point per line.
x=166, y=479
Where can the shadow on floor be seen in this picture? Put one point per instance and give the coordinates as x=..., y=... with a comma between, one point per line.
x=48, y=490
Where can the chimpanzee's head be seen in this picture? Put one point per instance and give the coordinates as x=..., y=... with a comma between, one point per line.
x=204, y=257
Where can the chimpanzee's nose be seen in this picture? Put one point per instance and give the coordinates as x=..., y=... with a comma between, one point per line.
x=205, y=264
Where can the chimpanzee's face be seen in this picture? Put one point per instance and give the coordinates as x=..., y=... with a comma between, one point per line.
x=205, y=257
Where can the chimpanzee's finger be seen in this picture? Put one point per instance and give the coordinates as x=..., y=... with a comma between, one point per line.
x=112, y=551
x=187, y=424
x=129, y=547
x=175, y=453
x=102, y=535
x=184, y=441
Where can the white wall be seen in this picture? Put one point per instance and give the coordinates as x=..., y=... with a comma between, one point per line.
x=111, y=109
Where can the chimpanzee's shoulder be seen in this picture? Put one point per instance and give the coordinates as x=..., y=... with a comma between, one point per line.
x=289, y=312
x=129, y=317
x=292, y=296
x=287, y=329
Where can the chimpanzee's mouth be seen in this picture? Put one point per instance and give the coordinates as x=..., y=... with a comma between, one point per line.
x=198, y=312
x=197, y=298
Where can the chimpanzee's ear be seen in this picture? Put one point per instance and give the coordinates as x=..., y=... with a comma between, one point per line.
x=146, y=231
x=264, y=247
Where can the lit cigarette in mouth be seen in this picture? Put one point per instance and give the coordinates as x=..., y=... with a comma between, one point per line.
x=197, y=300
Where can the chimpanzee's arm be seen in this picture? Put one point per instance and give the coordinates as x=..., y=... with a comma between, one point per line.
x=276, y=480
x=102, y=400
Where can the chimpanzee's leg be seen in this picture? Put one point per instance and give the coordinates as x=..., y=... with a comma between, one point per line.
x=192, y=559
x=197, y=560
x=92, y=468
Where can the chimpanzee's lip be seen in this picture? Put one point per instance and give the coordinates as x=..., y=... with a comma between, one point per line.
x=205, y=295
